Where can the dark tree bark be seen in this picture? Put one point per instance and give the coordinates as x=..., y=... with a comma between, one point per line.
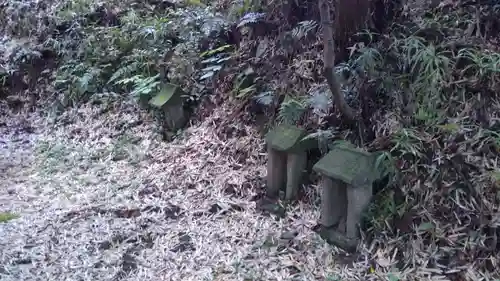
x=351, y=17
x=329, y=62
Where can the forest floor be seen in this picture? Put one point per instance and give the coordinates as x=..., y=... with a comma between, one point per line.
x=97, y=197
x=89, y=190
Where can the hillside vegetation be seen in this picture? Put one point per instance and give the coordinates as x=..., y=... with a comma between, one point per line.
x=74, y=76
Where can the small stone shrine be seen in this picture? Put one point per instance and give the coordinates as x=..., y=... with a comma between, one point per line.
x=171, y=102
x=347, y=178
x=287, y=159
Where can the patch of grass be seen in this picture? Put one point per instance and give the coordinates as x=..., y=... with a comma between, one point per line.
x=6, y=216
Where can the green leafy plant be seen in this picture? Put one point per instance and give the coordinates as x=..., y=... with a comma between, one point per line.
x=5, y=217
x=385, y=164
x=143, y=87
x=119, y=58
x=425, y=69
x=407, y=142
x=214, y=61
x=244, y=84
x=77, y=81
x=291, y=110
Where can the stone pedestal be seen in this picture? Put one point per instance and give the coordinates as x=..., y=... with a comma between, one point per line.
x=295, y=164
x=287, y=159
x=333, y=203
x=170, y=101
x=276, y=171
x=348, y=174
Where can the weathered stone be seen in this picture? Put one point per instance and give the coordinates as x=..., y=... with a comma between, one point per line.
x=352, y=166
x=170, y=100
x=276, y=171
x=348, y=175
x=337, y=238
x=358, y=198
x=285, y=138
x=175, y=117
x=333, y=202
x=296, y=163
x=143, y=101
x=287, y=160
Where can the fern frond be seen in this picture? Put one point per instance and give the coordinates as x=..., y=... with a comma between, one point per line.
x=89, y=77
x=291, y=110
x=250, y=18
x=126, y=70
x=265, y=98
x=368, y=60
x=304, y=28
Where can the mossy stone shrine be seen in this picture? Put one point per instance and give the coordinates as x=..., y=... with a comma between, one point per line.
x=347, y=178
x=170, y=101
x=287, y=159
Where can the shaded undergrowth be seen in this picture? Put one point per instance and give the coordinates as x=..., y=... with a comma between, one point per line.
x=426, y=90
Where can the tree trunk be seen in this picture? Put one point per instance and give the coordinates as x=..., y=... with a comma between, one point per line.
x=329, y=62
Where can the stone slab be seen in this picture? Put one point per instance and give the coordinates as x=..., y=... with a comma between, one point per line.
x=350, y=165
x=285, y=137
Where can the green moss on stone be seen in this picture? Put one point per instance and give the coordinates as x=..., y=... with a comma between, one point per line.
x=285, y=137
x=350, y=165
